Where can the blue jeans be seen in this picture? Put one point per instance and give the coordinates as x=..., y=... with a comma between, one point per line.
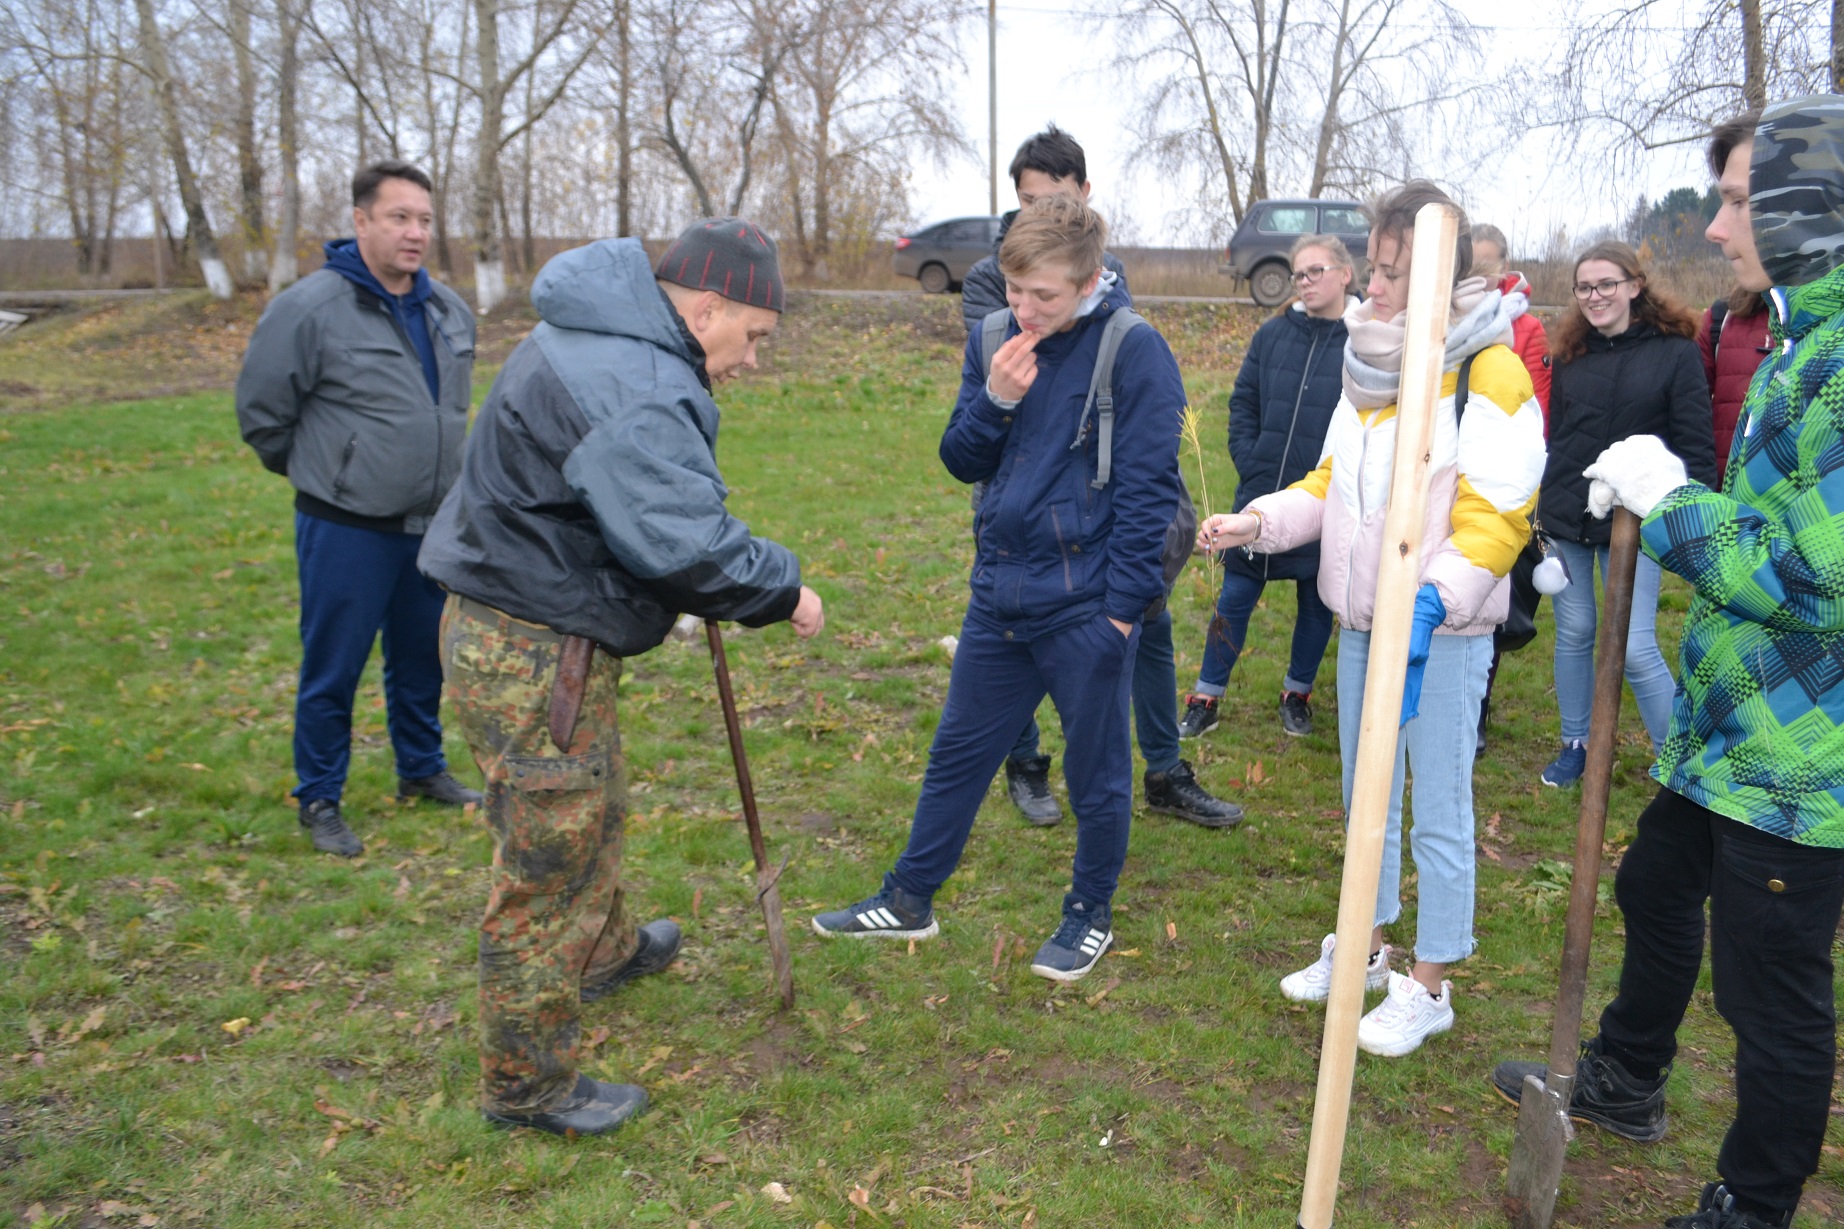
x=1312, y=631
x=1087, y=671
x=1155, y=700
x=1441, y=742
x=1576, y=621
x=354, y=583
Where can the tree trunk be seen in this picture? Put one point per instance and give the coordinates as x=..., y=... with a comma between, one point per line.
x=166, y=98
x=528, y=255
x=1837, y=46
x=624, y=137
x=489, y=271
x=1334, y=91
x=1211, y=115
x=283, y=269
x=249, y=165
x=1754, y=55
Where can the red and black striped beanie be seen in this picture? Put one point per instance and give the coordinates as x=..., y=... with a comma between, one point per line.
x=731, y=256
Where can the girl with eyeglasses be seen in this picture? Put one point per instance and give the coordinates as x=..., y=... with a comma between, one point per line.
x=1282, y=403
x=1625, y=363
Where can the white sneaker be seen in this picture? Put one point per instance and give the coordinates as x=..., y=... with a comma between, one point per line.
x=1406, y=1018
x=1314, y=982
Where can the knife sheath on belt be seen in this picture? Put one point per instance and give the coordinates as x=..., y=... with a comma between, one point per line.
x=567, y=690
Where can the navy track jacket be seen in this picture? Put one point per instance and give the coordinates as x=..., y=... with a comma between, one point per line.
x=1051, y=550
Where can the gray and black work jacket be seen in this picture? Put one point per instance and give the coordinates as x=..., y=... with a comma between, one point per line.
x=333, y=395
x=590, y=499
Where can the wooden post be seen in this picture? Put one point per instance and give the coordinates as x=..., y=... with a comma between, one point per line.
x=1398, y=578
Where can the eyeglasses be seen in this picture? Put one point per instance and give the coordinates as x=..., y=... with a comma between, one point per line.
x=1311, y=274
x=1604, y=290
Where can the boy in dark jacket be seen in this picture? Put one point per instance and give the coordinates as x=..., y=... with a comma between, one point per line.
x=1051, y=163
x=589, y=513
x=1063, y=573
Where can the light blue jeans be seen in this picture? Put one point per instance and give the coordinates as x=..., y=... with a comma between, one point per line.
x=1576, y=621
x=1440, y=744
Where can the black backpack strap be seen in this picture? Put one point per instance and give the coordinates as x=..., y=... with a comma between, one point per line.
x=992, y=335
x=1461, y=389
x=1719, y=311
x=1101, y=393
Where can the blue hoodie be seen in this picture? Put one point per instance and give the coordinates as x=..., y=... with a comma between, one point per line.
x=407, y=309
x=1051, y=550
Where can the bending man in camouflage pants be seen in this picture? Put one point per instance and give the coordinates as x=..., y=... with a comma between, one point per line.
x=589, y=513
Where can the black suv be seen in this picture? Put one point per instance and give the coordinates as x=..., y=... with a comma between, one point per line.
x=939, y=256
x=1258, y=250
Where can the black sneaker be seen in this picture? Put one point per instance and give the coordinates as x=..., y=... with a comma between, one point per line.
x=1178, y=793
x=439, y=787
x=1086, y=932
x=1027, y=783
x=592, y=1108
x=1604, y=1094
x=1200, y=716
x=1296, y=714
x=328, y=829
x=658, y=948
x=1717, y=1210
x=891, y=914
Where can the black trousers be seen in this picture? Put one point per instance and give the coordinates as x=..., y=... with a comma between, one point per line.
x=1774, y=908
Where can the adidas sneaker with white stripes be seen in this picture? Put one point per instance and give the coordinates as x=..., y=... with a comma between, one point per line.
x=891, y=914
x=1087, y=931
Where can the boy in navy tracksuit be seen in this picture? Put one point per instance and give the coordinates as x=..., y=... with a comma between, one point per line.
x=1063, y=573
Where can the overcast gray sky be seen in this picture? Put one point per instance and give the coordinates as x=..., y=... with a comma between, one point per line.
x=1054, y=66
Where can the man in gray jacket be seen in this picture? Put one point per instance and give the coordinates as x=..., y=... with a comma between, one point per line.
x=356, y=386
x=589, y=514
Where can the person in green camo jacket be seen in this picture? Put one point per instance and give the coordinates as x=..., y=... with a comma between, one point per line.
x=1751, y=813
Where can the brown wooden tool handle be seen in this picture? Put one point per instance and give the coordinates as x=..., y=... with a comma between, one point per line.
x=1596, y=782
x=768, y=891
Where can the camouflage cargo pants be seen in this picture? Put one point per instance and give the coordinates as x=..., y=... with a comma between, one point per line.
x=554, y=918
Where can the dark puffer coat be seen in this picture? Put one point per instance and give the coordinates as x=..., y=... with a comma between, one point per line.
x=1642, y=382
x=1282, y=404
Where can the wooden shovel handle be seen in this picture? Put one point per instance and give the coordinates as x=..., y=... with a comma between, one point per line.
x=1597, y=779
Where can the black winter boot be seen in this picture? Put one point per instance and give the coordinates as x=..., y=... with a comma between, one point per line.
x=1604, y=1094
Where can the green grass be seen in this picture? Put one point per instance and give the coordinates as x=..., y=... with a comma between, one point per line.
x=154, y=887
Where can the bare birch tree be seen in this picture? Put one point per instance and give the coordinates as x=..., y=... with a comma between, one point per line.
x=861, y=100
x=492, y=86
x=1630, y=80
x=166, y=101
x=283, y=266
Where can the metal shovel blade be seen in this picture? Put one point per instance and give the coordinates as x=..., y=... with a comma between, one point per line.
x=1542, y=1139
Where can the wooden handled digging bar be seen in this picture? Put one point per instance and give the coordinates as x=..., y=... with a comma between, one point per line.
x=1543, y=1130
x=768, y=880
x=1398, y=577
